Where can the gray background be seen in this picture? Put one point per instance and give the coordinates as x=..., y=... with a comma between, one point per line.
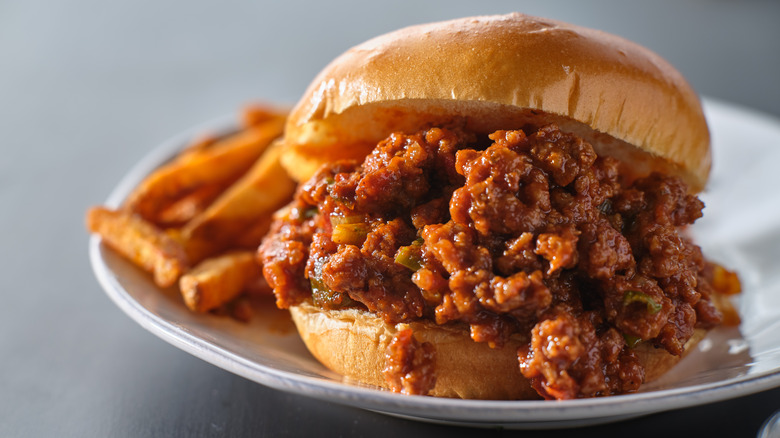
x=87, y=88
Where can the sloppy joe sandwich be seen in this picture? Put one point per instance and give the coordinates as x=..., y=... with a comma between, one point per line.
x=494, y=207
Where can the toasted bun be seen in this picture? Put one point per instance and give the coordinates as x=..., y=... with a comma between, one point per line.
x=503, y=72
x=353, y=343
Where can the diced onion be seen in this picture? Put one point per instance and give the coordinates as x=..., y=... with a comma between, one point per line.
x=350, y=234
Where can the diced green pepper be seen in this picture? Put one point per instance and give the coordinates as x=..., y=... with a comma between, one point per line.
x=632, y=341
x=633, y=296
x=410, y=256
x=322, y=296
x=310, y=212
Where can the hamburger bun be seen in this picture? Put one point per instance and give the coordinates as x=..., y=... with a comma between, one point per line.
x=502, y=72
x=354, y=344
x=486, y=74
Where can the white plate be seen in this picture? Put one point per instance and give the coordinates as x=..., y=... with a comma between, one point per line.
x=741, y=229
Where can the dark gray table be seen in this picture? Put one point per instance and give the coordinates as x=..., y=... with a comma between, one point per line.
x=89, y=87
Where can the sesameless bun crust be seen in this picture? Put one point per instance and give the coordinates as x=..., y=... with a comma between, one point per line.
x=502, y=72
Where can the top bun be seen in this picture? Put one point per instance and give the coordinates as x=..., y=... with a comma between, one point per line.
x=503, y=72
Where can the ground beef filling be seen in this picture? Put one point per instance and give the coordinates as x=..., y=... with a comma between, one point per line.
x=532, y=236
x=410, y=364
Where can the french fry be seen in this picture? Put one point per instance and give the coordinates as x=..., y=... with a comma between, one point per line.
x=198, y=146
x=218, y=280
x=184, y=209
x=210, y=206
x=253, y=236
x=241, y=309
x=257, y=114
x=253, y=198
x=141, y=242
x=217, y=164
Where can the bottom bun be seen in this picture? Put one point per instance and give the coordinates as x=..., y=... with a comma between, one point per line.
x=353, y=343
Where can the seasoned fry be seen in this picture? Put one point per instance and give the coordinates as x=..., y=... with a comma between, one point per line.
x=190, y=205
x=198, y=146
x=257, y=114
x=141, y=242
x=241, y=309
x=253, y=236
x=217, y=164
x=254, y=197
x=217, y=280
x=724, y=281
x=209, y=207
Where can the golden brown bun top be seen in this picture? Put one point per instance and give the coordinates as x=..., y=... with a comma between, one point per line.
x=501, y=72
